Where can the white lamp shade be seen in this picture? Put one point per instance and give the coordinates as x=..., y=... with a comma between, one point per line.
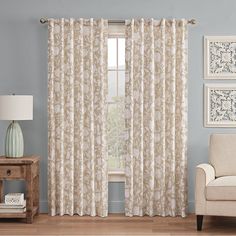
x=16, y=107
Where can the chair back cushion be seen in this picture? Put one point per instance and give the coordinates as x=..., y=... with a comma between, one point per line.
x=222, y=154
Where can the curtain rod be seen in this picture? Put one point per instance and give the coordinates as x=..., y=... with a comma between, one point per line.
x=44, y=20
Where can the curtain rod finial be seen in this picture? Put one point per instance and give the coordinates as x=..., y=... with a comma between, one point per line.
x=193, y=21
x=43, y=20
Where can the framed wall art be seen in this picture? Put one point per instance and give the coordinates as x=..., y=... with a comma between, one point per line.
x=220, y=105
x=220, y=57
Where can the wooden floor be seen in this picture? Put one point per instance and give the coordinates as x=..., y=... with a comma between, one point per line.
x=117, y=225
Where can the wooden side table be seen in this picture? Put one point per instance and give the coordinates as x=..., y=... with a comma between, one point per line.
x=26, y=168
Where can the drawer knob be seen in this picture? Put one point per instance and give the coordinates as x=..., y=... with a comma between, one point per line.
x=8, y=172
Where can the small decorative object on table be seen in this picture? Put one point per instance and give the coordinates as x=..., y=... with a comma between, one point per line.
x=18, y=207
x=14, y=198
x=26, y=168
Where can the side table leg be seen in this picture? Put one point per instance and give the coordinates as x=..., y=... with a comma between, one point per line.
x=29, y=195
x=36, y=193
x=1, y=190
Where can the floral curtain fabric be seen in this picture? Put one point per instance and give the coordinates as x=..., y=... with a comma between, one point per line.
x=77, y=89
x=156, y=117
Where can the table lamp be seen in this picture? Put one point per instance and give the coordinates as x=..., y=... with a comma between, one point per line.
x=15, y=107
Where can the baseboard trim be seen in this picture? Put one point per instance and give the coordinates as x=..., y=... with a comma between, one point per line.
x=191, y=207
x=116, y=206
x=113, y=206
x=43, y=206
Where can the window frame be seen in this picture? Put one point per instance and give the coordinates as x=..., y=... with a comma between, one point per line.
x=116, y=31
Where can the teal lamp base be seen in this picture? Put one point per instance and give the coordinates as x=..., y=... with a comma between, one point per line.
x=14, y=142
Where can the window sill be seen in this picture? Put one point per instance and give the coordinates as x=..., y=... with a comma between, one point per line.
x=116, y=176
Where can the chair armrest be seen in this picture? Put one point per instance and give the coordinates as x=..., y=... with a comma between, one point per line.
x=205, y=173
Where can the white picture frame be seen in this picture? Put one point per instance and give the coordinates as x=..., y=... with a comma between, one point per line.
x=219, y=57
x=220, y=105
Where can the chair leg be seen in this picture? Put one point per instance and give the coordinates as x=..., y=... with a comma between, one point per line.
x=199, y=222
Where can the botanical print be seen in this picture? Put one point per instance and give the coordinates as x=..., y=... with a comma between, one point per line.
x=156, y=117
x=77, y=90
x=220, y=105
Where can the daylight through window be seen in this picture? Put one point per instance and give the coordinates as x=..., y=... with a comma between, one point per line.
x=116, y=95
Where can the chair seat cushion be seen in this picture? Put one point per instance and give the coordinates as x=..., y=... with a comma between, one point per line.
x=222, y=189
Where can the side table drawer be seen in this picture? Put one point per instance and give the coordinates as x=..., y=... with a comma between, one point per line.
x=12, y=172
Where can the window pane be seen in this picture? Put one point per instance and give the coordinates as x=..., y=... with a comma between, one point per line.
x=121, y=53
x=112, y=130
x=121, y=152
x=115, y=114
x=115, y=119
x=112, y=126
x=112, y=85
x=112, y=48
x=119, y=118
x=121, y=83
x=115, y=133
x=113, y=162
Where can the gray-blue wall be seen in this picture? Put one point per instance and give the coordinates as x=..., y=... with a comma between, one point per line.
x=23, y=65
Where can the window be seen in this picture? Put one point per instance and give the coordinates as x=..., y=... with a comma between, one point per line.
x=116, y=96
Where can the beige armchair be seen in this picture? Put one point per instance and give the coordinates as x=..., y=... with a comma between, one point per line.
x=215, y=189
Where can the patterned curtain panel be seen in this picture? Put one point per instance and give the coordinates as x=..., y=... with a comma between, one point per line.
x=77, y=91
x=156, y=117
